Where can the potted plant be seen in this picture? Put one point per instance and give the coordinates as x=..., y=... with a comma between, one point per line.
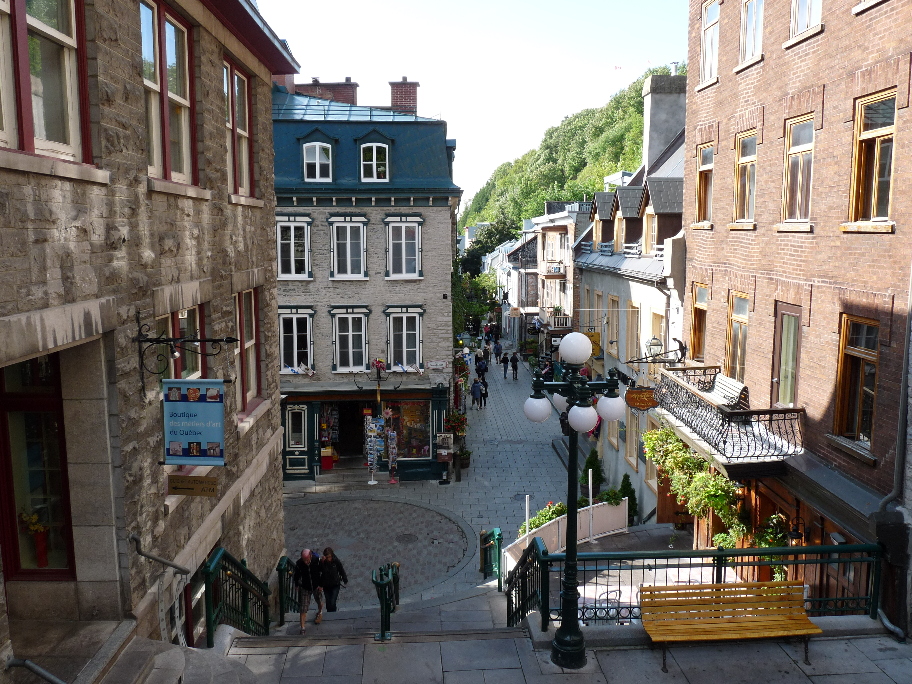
x=465, y=457
x=594, y=464
x=557, y=310
x=626, y=489
x=39, y=532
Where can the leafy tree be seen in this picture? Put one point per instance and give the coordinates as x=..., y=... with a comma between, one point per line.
x=487, y=238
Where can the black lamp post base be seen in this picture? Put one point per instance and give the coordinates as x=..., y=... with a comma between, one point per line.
x=568, y=651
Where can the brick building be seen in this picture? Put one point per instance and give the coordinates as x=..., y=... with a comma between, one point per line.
x=366, y=231
x=132, y=195
x=798, y=254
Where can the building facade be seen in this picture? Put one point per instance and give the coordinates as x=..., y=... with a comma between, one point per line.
x=366, y=231
x=137, y=198
x=797, y=262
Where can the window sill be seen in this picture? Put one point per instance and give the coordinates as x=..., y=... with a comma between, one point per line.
x=246, y=201
x=868, y=227
x=344, y=278
x=746, y=64
x=295, y=277
x=801, y=37
x=794, y=227
x=403, y=277
x=15, y=160
x=256, y=408
x=172, y=501
x=349, y=371
x=866, y=5
x=702, y=225
x=850, y=447
x=706, y=84
x=289, y=373
x=171, y=188
x=742, y=225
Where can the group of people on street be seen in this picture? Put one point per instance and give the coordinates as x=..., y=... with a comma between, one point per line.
x=318, y=577
x=479, y=389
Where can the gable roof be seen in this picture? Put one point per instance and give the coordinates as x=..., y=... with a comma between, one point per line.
x=629, y=199
x=602, y=206
x=665, y=194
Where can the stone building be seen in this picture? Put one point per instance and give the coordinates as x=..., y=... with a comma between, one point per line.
x=798, y=257
x=133, y=197
x=366, y=229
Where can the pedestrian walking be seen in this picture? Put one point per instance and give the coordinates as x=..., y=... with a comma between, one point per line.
x=505, y=362
x=476, y=393
x=306, y=578
x=486, y=353
x=496, y=333
x=332, y=577
x=484, y=394
x=514, y=364
x=498, y=350
x=481, y=367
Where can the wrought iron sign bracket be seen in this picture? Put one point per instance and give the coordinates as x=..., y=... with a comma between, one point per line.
x=156, y=352
x=662, y=357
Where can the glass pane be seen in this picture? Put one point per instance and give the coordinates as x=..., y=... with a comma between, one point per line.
x=243, y=157
x=792, y=186
x=53, y=13
x=250, y=360
x=751, y=189
x=302, y=346
x=869, y=171
x=367, y=153
x=35, y=376
x=802, y=134
x=867, y=402
x=48, y=81
x=702, y=295
x=355, y=247
x=240, y=102
x=285, y=248
x=342, y=249
x=310, y=153
x=884, y=174
x=296, y=428
x=706, y=190
x=748, y=146
x=788, y=359
x=396, y=257
x=381, y=163
x=149, y=58
x=249, y=331
x=177, y=120
x=34, y=445
x=324, y=153
x=878, y=114
x=862, y=336
x=288, y=343
x=226, y=89
x=711, y=13
x=189, y=327
x=706, y=156
x=802, y=20
x=300, y=254
x=806, y=165
x=741, y=210
x=739, y=307
x=176, y=57
x=153, y=117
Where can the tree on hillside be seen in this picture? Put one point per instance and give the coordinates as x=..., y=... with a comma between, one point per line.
x=486, y=239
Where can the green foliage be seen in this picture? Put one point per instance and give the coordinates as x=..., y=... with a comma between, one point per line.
x=545, y=515
x=571, y=161
x=626, y=489
x=594, y=464
x=502, y=229
x=472, y=298
x=609, y=496
x=774, y=532
x=582, y=502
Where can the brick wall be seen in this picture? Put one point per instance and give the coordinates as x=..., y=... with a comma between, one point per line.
x=825, y=271
x=404, y=96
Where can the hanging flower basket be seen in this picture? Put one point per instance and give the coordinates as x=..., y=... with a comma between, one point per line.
x=456, y=423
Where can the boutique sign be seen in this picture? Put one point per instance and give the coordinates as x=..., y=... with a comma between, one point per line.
x=194, y=422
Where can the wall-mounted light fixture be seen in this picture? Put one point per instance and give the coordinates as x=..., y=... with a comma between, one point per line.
x=796, y=533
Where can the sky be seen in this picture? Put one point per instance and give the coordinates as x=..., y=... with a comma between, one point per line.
x=499, y=72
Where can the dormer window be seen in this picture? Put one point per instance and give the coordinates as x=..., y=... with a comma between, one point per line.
x=317, y=162
x=374, y=163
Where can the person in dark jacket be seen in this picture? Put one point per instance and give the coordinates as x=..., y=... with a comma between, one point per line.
x=307, y=579
x=332, y=575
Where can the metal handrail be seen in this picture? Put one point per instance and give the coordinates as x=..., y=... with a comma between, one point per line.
x=34, y=668
x=386, y=582
x=234, y=596
x=289, y=593
x=180, y=569
x=490, y=551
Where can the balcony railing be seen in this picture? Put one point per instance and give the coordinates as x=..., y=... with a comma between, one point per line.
x=737, y=434
x=560, y=321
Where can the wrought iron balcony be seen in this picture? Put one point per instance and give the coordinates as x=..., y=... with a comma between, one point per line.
x=736, y=433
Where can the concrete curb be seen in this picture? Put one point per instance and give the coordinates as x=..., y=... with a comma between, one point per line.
x=106, y=654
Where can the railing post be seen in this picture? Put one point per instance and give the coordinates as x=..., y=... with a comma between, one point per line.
x=481, y=553
x=498, y=557
x=395, y=567
x=280, y=569
x=245, y=601
x=210, y=609
x=544, y=602
x=875, y=585
x=719, y=567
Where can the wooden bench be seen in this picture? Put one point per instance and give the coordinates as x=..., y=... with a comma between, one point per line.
x=728, y=392
x=715, y=612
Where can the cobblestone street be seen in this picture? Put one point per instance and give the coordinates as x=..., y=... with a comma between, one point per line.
x=432, y=530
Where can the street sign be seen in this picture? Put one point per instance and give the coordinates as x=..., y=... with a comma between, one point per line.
x=515, y=312
x=437, y=365
x=641, y=398
x=594, y=337
x=445, y=440
x=192, y=485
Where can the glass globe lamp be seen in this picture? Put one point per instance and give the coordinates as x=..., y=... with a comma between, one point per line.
x=537, y=409
x=575, y=348
x=560, y=402
x=611, y=408
x=582, y=418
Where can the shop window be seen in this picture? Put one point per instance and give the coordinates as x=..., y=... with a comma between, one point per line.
x=296, y=427
x=698, y=321
x=403, y=250
x=374, y=163
x=350, y=342
x=709, y=58
x=184, y=323
x=293, y=236
x=34, y=505
x=247, y=350
x=317, y=162
x=348, y=251
x=746, y=177
x=237, y=128
x=409, y=428
x=705, y=160
x=737, y=336
x=168, y=92
x=613, y=323
x=405, y=341
x=857, y=379
x=798, y=163
x=875, y=119
x=805, y=15
x=751, y=29
x=296, y=342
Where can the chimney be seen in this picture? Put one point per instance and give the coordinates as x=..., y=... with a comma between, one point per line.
x=663, y=113
x=346, y=92
x=404, y=96
x=286, y=80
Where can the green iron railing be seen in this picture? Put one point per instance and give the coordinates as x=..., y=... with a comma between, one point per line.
x=386, y=581
x=234, y=596
x=490, y=545
x=840, y=580
x=289, y=593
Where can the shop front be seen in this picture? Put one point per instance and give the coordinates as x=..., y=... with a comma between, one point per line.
x=337, y=429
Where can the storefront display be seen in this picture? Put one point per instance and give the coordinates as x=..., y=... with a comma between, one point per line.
x=410, y=422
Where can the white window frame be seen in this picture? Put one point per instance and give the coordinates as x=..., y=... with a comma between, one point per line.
x=372, y=165
x=751, y=29
x=401, y=222
x=348, y=222
x=182, y=101
x=239, y=134
x=299, y=228
x=247, y=345
x=402, y=314
x=337, y=336
x=806, y=16
x=319, y=177
x=709, y=38
x=289, y=410
x=296, y=316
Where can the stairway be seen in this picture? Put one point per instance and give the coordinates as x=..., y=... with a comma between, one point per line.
x=145, y=661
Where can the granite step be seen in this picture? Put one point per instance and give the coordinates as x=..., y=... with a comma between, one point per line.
x=145, y=661
x=252, y=645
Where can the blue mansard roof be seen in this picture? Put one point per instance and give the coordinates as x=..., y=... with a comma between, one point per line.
x=420, y=155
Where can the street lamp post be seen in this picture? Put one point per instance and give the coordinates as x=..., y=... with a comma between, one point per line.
x=568, y=648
